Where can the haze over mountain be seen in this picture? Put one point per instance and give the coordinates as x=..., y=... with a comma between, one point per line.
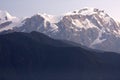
x=35, y=56
x=90, y=27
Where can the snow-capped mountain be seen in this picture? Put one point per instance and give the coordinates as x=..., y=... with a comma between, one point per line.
x=88, y=26
x=91, y=27
x=7, y=21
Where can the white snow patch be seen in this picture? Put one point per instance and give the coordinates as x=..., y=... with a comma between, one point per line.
x=72, y=13
x=86, y=24
x=89, y=24
x=45, y=23
x=54, y=26
x=88, y=11
x=84, y=11
x=77, y=23
x=98, y=40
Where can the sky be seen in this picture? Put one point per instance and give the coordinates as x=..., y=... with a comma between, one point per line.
x=25, y=8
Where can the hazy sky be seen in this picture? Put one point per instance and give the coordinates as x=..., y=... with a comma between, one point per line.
x=24, y=8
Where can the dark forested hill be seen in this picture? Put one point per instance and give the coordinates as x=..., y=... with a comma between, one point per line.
x=34, y=56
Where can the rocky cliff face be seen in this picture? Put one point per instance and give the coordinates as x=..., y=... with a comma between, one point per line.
x=89, y=26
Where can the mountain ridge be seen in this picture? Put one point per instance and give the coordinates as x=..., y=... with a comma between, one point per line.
x=90, y=27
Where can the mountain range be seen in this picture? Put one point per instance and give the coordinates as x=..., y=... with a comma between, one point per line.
x=90, y=27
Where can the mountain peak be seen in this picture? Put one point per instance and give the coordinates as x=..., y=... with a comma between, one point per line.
x=87, y=11
x=50, y=18
x=5, y=16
